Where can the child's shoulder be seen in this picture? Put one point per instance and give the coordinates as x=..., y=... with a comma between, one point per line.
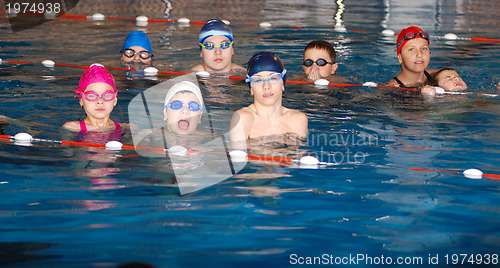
x=295, y=114
x=432, y=72
x=198, y=68
x=237, y=68
x=72, y=126
x=246, y=111
x=392, y=83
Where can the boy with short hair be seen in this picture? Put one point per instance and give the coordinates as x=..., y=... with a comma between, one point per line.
x=319, y=60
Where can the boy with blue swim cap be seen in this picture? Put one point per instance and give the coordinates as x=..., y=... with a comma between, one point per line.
x=216, y=48
x=137, y=48
x=266, y=77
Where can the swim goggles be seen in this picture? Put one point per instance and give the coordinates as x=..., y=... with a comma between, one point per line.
x=93, y=96
x=177, y=105
x=129, y=53
x=211, y=46
x=259, y=80
x=319, y=62
x=412, y=35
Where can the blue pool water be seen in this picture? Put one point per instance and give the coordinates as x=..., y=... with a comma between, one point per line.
x=73, y=206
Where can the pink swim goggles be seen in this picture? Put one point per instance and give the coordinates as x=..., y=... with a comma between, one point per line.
x=95, y=74
x=92, y=96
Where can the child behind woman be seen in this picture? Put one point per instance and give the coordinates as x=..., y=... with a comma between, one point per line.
x=445, y=80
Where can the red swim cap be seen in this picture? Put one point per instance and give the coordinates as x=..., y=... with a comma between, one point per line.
x=95, y=74
x=418, y=33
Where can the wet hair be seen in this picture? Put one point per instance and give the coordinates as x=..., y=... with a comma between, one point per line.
x=321, y=44
x=434, y=80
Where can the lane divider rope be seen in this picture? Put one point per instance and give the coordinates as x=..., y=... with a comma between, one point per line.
x=153, y=71
x=143, y=20
x=25, y=139
x=469, y=173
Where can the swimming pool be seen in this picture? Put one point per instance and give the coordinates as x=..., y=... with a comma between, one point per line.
x=73, y=206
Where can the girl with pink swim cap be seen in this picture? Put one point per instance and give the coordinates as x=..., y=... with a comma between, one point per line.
x=97, y=93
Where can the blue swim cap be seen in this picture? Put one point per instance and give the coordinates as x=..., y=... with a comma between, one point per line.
x=265, y=61
x=138, y=38
x=215, y=27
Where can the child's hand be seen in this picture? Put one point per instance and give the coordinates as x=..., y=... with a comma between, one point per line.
x=314, y=74
x=428, y=90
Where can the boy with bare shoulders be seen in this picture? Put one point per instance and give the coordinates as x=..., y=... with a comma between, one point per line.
x=216, y=45
x=266, y=78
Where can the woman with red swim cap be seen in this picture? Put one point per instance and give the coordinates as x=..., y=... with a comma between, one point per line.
x=97, y=93
x=412, y=48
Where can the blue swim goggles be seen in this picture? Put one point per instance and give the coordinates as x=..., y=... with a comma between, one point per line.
x=211, y=46
x=177, y=105
x=259, y=80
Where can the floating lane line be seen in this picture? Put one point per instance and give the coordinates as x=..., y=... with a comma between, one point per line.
x=52, y=63
x=78, y=143
x=154, y=71
x=25, y=139
x=469, y=173
x=386, y=32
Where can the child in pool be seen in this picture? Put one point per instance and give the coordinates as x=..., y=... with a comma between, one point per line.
x=266, y=78
x=412, y=48
x=183, y=108
x=445, y=80
x=97, y=93
x=137, y=49
x=216, y=48
x=319, y=60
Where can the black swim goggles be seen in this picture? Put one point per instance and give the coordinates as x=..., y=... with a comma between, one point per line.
x=129, y=53
x=412, y=35
x=319, y=62
x=177, y=105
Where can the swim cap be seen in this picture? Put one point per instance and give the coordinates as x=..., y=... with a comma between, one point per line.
x=215, y=27
x=404, y=32
x=183, y=86
x=265, y=61
x=137, y=38
x=96, y=73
